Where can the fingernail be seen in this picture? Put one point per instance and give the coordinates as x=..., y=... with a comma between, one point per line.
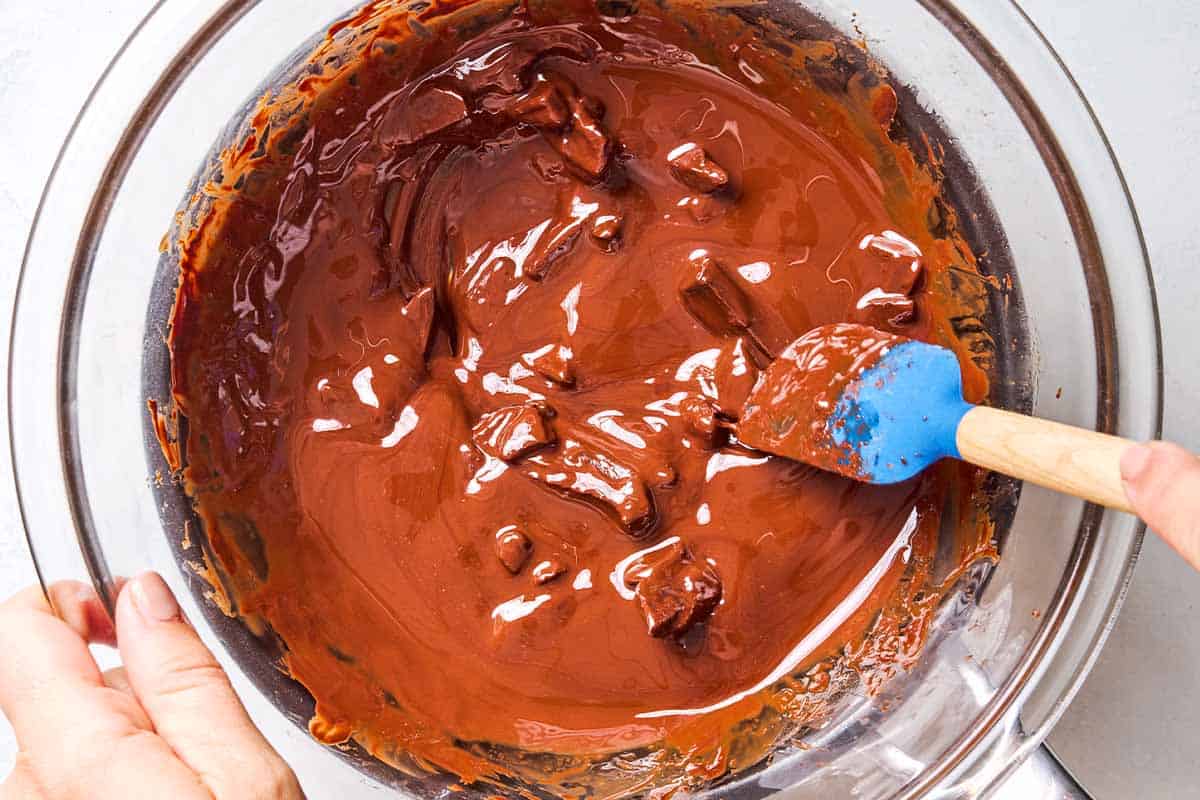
x=85, y=593
x=153, y=599
x=1134, y=462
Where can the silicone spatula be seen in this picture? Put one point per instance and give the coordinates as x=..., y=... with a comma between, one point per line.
x=881, y=408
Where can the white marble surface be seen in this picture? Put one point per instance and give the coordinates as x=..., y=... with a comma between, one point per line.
x=1134, y=728
x=1132, y=731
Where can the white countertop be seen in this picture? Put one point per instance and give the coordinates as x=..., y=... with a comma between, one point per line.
x=1132, y=731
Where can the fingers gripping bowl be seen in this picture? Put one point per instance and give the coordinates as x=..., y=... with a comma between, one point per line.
x=120, y=512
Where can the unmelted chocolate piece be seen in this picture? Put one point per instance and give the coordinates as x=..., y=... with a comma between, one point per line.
x=901, y=259
x=543, y=105
x=548, y=570
x=584, y=143
x=553, y=362
x=605, y=229
x=699, y=414
x=897, y=265
x=430, y=110
x=512, y=432
x=723, y=376
x=555, y=243
x=589, y=473
x=692, y=167
x=703, y=208
x=500, y=69
x=878, y=305
x=675, y=592
x=571, y=122
x=513, y=548
x=712, y=297
x=734, y=377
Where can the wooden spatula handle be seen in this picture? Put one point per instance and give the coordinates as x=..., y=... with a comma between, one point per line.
x=1071, y=460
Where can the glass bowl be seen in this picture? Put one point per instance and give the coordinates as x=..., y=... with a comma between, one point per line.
x=1026, y=152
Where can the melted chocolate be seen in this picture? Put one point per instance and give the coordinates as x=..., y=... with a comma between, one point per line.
x=461, y=356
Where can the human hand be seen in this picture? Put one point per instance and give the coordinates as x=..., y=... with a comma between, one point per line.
x=167, y=726
x=1162, y=482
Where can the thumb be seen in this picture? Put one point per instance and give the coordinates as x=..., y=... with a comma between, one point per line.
x=1162, y=482
x=189, y=698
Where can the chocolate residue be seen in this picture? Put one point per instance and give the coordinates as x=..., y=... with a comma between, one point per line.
x=789, y=410
x=463, y=326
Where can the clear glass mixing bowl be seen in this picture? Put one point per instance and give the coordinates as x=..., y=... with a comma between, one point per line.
x=1006, y=659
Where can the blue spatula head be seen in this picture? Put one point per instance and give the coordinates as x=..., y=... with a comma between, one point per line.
x=858, y=401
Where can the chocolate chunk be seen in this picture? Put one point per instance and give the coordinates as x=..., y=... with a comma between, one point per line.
x=892, y=266
x=734, y=377
x=558, y=236
x=502, y=69
x=699, y=415
x=713, y=298
x=585, y=144
x=552, y=104
x=411, y=119
x=591, y=474
x=513, y=548
x=512, y=432
x=543, y=106
x=692, y=167
x=548, y=570
x=703, y=208
x=552, y=245
x=606, y=228
x=675, y=592
x=892, y=263
x=724, y=377
x=877, y=306
x=553, y=362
